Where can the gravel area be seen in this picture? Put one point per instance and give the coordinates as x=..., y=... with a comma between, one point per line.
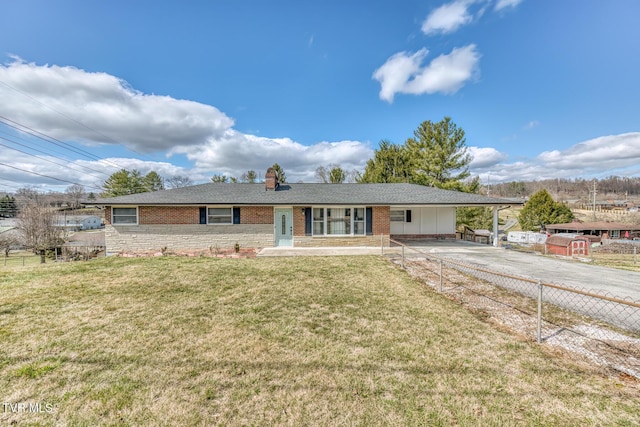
x=593, y=343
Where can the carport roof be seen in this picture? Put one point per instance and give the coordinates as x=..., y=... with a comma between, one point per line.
x=308, y=194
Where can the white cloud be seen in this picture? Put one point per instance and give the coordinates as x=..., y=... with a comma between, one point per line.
x=502, y=4
x=72, y=104
x=238, y=152
x=598, y=157
x=404, y=73
x=484, y=158
x=448, y=17
x=612, y=152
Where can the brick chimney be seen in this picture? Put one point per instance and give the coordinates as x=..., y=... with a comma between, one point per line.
x=271, y=180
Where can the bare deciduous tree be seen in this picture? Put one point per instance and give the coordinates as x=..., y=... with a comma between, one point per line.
x=8, y=239
x=179, y=181
x=37, y=224
x=75, y=193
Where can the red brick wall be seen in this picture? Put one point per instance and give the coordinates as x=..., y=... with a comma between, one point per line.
x=298, y=221
x=381, y=218
x=248, y=215
x=191, y=215
x=256, y=215
x=168, y=215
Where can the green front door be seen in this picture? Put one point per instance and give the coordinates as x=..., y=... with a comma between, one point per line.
x=283, y=219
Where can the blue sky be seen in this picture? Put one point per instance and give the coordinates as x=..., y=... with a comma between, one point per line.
x=542, y=88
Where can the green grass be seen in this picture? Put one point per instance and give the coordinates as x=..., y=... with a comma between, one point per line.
x=621, y=261
x=281, y=341
x=20, y=259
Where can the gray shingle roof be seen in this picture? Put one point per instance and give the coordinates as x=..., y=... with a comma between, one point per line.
x=307, y=194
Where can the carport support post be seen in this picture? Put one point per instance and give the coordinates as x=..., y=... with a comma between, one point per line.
x=539, y=334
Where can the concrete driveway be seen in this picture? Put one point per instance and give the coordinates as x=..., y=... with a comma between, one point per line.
x=619, y=283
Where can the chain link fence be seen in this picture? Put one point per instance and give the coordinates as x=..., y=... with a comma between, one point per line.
x=599, y=328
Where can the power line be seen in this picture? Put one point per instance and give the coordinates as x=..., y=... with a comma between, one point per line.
x=58, y=112
x=26, y=129
x=46, y=160
x=9, y=185
x=97, y=132
x=47, y=176
x=46, y=153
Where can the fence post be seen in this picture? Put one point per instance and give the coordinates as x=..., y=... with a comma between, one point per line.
x=5, y=260
x=403, y=256
x=635, y=254
x=539, y=333
x=381, y=244
x=440, y=275
x=23, y=261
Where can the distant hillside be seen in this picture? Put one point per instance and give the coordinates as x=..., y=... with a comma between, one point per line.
x=611, y=188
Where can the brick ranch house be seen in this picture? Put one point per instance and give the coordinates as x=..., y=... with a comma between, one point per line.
x=207, y=216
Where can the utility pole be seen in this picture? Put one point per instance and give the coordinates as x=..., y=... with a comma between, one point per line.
x=594, y=200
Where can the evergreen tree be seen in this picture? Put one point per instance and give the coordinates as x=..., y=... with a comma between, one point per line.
x=337, y=175
x=153, y=182
x=124, y=182
x=280, y=175
x=332, y=174
x=8, y=206
x=438, y=155
x=219, y=178
x=541, y=210
x=249, y=176
x=390, y=163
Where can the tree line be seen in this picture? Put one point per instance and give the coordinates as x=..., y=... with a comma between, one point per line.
x=618, y=187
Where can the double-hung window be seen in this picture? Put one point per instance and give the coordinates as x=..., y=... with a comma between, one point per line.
x=124, y=216
x=220, y=215
x=400, y=215
x=339, y=221
x=396, y=215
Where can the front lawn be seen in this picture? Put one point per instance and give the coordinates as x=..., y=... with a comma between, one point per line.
x=277, y=341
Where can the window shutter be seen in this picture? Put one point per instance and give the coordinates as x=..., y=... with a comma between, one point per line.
x=203, y=215
x=369, y=220
x=236, y=215
x=408, y=215
x=307, y=221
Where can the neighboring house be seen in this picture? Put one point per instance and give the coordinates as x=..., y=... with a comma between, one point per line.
x=211, y=216
x=603, y=229
x=79, y=222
